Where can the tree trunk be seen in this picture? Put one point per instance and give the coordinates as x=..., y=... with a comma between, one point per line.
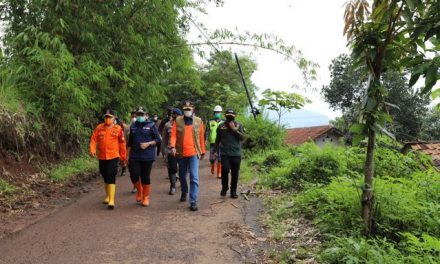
x=367, y=193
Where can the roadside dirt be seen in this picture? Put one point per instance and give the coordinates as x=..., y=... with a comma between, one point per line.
x=224, y=230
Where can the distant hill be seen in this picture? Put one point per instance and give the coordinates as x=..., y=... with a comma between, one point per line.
x=300, y=118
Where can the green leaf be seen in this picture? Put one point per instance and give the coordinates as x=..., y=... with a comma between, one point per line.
x=357, y=128
x=411, y=4
x=357, y=139
x=414, y=78
x=435, y=93
x=430, y=79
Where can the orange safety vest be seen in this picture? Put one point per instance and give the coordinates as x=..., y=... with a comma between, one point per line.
x=188, y=140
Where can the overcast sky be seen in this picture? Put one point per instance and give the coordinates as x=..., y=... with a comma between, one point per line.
x=313, y=26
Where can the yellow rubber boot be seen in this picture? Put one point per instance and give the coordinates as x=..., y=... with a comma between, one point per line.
x=146, y=189
x=138, y=187
x=112, y=192
x=107, y=197
x=219, y=170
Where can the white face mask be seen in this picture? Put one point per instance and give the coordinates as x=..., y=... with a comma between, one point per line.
x=188, y=113
x=133, y=119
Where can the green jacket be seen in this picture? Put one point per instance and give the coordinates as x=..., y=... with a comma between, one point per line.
x=229, y=140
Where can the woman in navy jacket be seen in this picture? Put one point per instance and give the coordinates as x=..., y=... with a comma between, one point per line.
x=142, y=142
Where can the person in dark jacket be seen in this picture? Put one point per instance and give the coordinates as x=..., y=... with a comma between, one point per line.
x=142, y=143
x=230, y=135
x=171, y=159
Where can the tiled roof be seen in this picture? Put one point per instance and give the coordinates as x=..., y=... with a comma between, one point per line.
x=430, y=148
x=297, y=136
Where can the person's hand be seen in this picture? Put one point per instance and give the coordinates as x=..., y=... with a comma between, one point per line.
x=202, y=156
x=231, y=124
x=173, y=151
x=92, y=154
x=145, y=145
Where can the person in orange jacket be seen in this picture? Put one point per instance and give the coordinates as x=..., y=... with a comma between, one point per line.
x=187, y=142
x=108, y=144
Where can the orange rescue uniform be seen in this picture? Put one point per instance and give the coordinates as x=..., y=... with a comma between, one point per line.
x=110, y=141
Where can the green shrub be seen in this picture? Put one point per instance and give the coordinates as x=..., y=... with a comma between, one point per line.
x=360, y=250
x=263, y=134
x=403, y=205
x=6, y=188
x=334, y=208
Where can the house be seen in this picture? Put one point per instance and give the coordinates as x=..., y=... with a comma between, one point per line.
x=318, y=134
x=431, y=148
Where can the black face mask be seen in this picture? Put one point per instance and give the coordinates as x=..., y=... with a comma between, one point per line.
x=230, y=118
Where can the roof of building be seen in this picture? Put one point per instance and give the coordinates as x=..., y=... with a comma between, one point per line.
x=431, y=148
x=297, y=136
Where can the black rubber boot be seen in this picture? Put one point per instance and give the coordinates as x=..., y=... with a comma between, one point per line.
x=183, y=197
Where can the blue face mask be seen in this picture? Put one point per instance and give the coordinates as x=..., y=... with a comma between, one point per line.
x=140, y=119
x=217, y=115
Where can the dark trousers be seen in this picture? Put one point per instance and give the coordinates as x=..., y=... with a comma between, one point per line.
x=140, y=169
x=172, y=169
x=108, y=170
x=230, y=163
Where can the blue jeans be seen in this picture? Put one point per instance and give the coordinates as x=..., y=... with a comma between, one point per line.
x=190, y=164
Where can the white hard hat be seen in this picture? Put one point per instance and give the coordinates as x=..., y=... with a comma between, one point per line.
x=218, y=108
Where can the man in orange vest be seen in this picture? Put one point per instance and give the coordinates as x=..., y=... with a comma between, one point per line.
x=109, y=139
x=187, y=142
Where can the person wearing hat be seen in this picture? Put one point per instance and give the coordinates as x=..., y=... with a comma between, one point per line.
x=142, y=143
x=108, y=144
x=230, y=135
x=187, y=142
x=171, y=159
x=210, y=134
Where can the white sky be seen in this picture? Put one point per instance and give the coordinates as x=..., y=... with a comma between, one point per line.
x=313, y=26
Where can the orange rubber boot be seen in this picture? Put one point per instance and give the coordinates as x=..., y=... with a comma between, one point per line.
x=219, y=170
x=146, y=189
x=138, y=187
x=212, y=168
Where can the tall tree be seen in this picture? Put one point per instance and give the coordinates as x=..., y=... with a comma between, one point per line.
x=431, y=125
x=392, y=34
x=348, y=85
x=72, y=58
x=222, y=83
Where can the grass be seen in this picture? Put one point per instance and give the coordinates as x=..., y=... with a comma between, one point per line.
x=6, y=188
x=64, y=171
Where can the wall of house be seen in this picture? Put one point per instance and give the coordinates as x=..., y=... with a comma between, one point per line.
x=328, y=138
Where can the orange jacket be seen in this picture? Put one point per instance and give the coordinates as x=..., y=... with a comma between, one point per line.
x=188, y=145
x=110, y=141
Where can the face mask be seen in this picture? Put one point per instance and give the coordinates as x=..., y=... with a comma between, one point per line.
x=230, y=118
x=217, y=115
x=188, y=113
x=108, y=121
x=155, y=118
x=133, y=119
x=140, y=119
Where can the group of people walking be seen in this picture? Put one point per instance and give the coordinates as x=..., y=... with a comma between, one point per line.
x=180, y=137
